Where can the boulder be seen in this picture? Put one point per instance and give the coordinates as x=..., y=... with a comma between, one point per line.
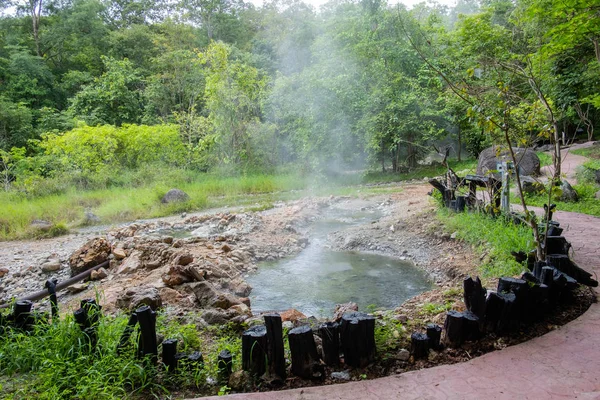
x=242, y=289
x=184, y=259
x=131, y=263
x=531, y=186
x=175, y=196
x=528, y=162
x=89, y=218
x=94, y=252
x=138, y=296
x=99, y=274
x=119, y=253
x=40, y=225
x=51, y=265
x=224, y=301
x=567, y=192
x=598, y=194
x=291, y=315
x=176, y=275
x=78, y=287
x=240, y=381
x=3, y=272
x=205, y=293
x=240, y=309
x=341, y=309
x=215, y=317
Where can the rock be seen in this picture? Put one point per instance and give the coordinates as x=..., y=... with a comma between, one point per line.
x=240, y=381
x=341, y=309
x=598, y=194
x=89, y=218
x=403, y=355
x=176, y=275
x=226, y=248
x=138, y=296
x=240, y=309
x=291, y=315
x=131, y=263
x=224, y=301
x=401, y=318
x=98, y=274
x=175, y=196
x=341, y=376
x=245, y=300
x=94, y=252
x=40, y=225
x=184, y=259
x=215, y=317
x=76, y=288
x=531, y=186
x=51, y=265
x=529, y=162
x=119, y=253
x=152, y=264
x=567, y=192
x=204, y=291
x=168, y=239
x=242, y=289
x=3, y=272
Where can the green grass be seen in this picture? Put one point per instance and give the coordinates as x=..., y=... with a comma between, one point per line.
x=461, y=168
x=590, y=152
x=131, y=195
x=492, y=238
x=545, y=158
x=587, y=203
x=53, y=363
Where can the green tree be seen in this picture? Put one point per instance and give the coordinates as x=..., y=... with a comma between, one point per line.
x=113, y=98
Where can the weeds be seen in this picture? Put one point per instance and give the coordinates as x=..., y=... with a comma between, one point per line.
x=492, y=238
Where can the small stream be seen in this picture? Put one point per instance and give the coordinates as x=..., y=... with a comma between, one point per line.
x=317, y=279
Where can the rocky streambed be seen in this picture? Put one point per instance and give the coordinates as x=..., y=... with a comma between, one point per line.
x=203, y=261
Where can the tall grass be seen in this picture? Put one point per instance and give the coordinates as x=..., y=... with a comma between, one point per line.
x=53, y=362
x=492, y=238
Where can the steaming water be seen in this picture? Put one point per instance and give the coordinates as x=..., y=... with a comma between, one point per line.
x=317, y=279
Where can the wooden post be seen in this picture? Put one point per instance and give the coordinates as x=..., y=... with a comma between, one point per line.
x=565, y=265
x=305, y=359
x=169, y=349
x=474, y=296
x=148, y=343
x=275, y=351
x=194, y=360
x=51, y=287
x=454, y=328
x=330, y=336
x=434, y=333
x=557, y=245
x=224, y=366
x=471, y=326
x=357, y=334
x=123, y=341
x=419, y=345
x=254, y=347
x=22, y=318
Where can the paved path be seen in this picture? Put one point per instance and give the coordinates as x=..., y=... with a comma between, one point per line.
x=563, y=364
x=569, y=164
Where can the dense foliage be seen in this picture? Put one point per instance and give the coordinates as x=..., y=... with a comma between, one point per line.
x=89, y=87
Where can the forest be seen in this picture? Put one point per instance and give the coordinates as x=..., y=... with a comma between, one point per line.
x=91, y=90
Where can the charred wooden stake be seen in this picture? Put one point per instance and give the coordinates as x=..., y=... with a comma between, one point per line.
x=565, y=265
x=148, y=342
x=357, y=334
x=22, y=318
x=434, y=333
x=224, y=366
x=275, y=350
x=254, y=347
x=454, y=328
x=330, y=336
x=419, y=345
x=471, y=326
x=305, y=359
x=169, y=349
x=127, y=332
x=474, y=296
x=557, y=245
x=194, y=361
x=51, y=287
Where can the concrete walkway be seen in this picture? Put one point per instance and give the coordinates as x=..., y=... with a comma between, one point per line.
x=563, y=364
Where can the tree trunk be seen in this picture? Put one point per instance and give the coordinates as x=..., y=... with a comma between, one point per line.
x=459, y=143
